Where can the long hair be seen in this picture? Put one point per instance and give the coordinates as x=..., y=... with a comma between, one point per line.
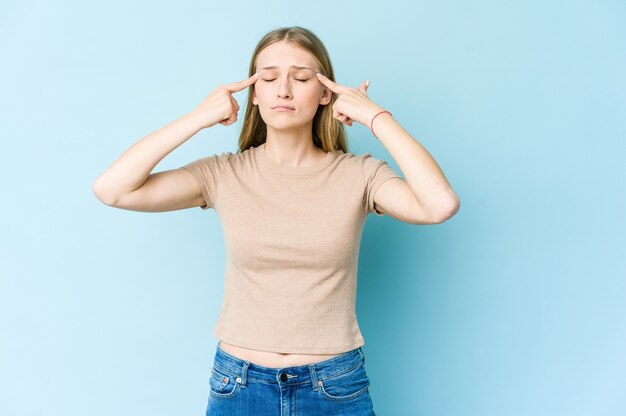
x=328, y=133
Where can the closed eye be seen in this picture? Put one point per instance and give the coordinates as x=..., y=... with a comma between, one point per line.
x=301, y=80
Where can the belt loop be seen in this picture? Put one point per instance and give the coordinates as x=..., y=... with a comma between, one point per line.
x=244, y=374
x=362, y=354
x=313, y=376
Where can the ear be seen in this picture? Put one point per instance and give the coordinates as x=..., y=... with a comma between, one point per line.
x=327, y=95
x=254, y=100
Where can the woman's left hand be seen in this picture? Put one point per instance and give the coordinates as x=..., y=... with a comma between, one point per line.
x=351, y=104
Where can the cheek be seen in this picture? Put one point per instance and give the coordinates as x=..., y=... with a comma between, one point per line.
x=260, y=90
x=310, y=93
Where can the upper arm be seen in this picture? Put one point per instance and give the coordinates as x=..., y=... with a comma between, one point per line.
x=395, y=198
x=386, y=192
x=164, y=191
x=191, y=185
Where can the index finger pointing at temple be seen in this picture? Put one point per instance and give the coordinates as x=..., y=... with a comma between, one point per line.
x=238, y=86
x=333, y=86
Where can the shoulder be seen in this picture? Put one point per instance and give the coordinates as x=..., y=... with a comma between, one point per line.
x=216, y=158
x=349, y=159
x=246, y=158
x=228, y=158
x=209, y=164
x=365, y=162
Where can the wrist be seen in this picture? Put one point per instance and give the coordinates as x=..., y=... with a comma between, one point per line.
x=194, y=120
x=381, y=112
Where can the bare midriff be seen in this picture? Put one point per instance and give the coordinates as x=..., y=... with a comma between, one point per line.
x=273, y=359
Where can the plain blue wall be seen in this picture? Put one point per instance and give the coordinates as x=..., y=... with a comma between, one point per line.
x=515, y=306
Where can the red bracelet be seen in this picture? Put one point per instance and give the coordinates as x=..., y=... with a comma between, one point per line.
x=372, y=122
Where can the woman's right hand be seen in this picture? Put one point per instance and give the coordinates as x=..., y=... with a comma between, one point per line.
x=220, y=106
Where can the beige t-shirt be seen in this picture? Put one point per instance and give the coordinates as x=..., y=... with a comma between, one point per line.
x=292, y=237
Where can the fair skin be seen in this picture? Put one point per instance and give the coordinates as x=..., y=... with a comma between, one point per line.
x=129, y=183
x=289, y=133
x=425, y=197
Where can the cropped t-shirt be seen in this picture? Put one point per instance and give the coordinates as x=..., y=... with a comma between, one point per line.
x=292, y=237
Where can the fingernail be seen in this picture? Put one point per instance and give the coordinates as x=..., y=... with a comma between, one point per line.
x=317, y=73
x=367, y=83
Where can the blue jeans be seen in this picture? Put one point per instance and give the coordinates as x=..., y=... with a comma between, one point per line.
x=337, y=386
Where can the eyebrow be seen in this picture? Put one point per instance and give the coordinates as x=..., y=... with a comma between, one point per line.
x=292, y=66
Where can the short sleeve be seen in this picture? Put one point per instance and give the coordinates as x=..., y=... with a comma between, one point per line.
x=375, y=172
x=207, y=172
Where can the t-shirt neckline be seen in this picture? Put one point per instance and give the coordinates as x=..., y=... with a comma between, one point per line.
x=293, y=170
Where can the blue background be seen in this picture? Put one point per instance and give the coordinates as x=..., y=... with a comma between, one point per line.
x=515, y=306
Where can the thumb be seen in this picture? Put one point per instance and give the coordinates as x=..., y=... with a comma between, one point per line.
x=363, y=87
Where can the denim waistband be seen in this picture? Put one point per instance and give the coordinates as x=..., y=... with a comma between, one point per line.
x=244, y=370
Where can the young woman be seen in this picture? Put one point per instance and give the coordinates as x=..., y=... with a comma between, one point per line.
x=292, y=203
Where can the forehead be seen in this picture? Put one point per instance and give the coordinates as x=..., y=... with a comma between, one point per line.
x=285, y=56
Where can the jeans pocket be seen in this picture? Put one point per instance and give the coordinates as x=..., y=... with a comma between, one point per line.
x=223, y=384
x=345, y=386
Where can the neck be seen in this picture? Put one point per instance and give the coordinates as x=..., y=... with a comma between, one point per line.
x=293, y=147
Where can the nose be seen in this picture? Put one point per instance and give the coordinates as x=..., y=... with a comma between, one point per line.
x=284, y=88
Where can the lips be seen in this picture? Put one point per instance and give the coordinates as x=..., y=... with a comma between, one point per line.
x=283, y=107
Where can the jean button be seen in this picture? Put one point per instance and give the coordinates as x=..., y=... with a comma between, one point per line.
x=283, y=377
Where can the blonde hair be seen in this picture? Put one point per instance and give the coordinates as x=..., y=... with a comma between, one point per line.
x=328, y=133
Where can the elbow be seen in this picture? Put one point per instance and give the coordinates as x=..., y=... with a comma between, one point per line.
x=450, y=211
x=103, y=195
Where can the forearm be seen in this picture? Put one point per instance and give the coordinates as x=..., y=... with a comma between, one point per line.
x=133, y=167
x=421, y=171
